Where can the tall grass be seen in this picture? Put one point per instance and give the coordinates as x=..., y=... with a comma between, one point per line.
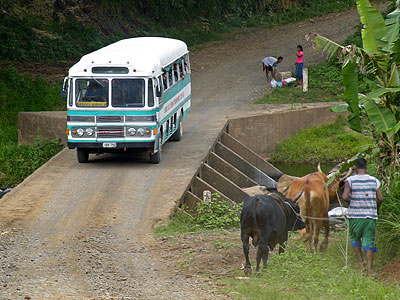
x=389, y=217
x=23, y=93
x=299, y=275
x=327, y=143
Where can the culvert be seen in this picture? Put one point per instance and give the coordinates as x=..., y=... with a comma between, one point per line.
x=235, y=161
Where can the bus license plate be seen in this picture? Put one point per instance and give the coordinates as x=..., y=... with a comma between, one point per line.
x=109, y=145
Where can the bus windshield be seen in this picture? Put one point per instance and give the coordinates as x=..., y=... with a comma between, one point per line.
x=91, y=92
x=128, y=93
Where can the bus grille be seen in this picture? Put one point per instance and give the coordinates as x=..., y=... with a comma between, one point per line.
x=110, y=131
x=110, y=119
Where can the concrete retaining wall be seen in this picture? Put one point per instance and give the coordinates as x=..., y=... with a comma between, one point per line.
x=47, y=124
x=262, y=133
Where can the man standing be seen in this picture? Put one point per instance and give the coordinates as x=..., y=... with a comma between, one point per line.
x=365, y=199
x=270, y=64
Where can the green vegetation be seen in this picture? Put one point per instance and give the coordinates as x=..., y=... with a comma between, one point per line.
x=328, y=143
x=218, y=213
x=389, y=218
x=66, y=31
x=377, y=63
x=374, y=57
x=18, y=162
x=324, y=86
x=298, y=274
x=23, y=93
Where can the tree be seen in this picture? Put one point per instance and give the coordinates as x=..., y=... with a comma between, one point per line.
x=377, y=62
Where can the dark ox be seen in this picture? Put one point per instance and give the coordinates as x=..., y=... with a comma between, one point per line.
x=267, y=220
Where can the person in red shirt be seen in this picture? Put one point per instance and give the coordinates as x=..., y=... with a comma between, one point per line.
x=299, y=65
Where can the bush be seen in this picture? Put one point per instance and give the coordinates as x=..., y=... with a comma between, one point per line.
x=18, y=162
x=389, y=218
x=23, y=93
x=216, y=214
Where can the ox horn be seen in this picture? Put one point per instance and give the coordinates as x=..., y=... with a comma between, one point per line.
x=319, y=167
x=347, y=175
x=297, y=196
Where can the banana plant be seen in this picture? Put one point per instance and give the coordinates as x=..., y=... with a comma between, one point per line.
x=378, y=58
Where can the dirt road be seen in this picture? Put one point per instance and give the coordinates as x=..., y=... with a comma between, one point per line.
x=75, y=231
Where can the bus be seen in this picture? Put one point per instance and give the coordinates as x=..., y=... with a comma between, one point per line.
x=129, y=96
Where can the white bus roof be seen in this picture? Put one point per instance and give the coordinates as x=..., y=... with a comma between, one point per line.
x=145, y=55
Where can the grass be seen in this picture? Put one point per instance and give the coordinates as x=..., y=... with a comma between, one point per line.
x=18, y=162
x=328, y=143
x=297, y=274
x=215, y=214
x=325, y=85
x=23, y=93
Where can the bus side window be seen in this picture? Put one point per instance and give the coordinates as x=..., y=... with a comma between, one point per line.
x=186, y=64
x=170, y=78
x=150, y=93
x=70, y=93
x=164, y=81
x=159, y=86
x=182, y=69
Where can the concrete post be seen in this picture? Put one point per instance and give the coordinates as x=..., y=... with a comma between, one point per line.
x=305, y=79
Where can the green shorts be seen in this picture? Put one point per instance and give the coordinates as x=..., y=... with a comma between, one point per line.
x=362, y=231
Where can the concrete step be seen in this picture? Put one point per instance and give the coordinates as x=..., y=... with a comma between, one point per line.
x=222, y=183
x=228, y=168
x=229, y=171
x=244, y=166
x=250, y=156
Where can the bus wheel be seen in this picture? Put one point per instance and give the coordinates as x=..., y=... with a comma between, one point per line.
x=83, y=155
x=155, y=158
x=177, y=136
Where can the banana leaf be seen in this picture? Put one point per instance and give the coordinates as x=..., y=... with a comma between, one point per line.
x=350, y=81
x=324, y=45
x=390, y=133
x=381, y=117
x=392, y=28
x=394, y=76
x=374, y=29
x=381, y=92
x=349, y=163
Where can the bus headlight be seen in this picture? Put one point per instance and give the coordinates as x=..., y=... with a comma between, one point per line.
x=80, y=132
x=89, y=131
x=141, y=131
x=131, y=131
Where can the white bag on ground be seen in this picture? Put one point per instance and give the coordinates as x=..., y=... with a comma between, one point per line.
x=273, y=83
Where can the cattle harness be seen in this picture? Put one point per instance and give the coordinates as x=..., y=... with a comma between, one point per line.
x=324, y=219
x=283, y=206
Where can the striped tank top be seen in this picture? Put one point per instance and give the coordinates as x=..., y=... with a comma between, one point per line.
x=363, y=197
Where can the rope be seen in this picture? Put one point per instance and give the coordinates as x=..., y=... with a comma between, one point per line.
x=325, y=219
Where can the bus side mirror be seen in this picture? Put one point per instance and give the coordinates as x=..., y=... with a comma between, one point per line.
x=64, y=88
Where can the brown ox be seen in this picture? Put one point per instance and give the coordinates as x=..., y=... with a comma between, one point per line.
x=314, y=203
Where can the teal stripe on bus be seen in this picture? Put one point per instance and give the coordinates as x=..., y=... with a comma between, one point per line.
x=170, y=93
x=110, y=113
x=175, y=110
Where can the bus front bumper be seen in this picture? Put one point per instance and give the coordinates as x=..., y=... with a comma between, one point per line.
x=110, y=145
